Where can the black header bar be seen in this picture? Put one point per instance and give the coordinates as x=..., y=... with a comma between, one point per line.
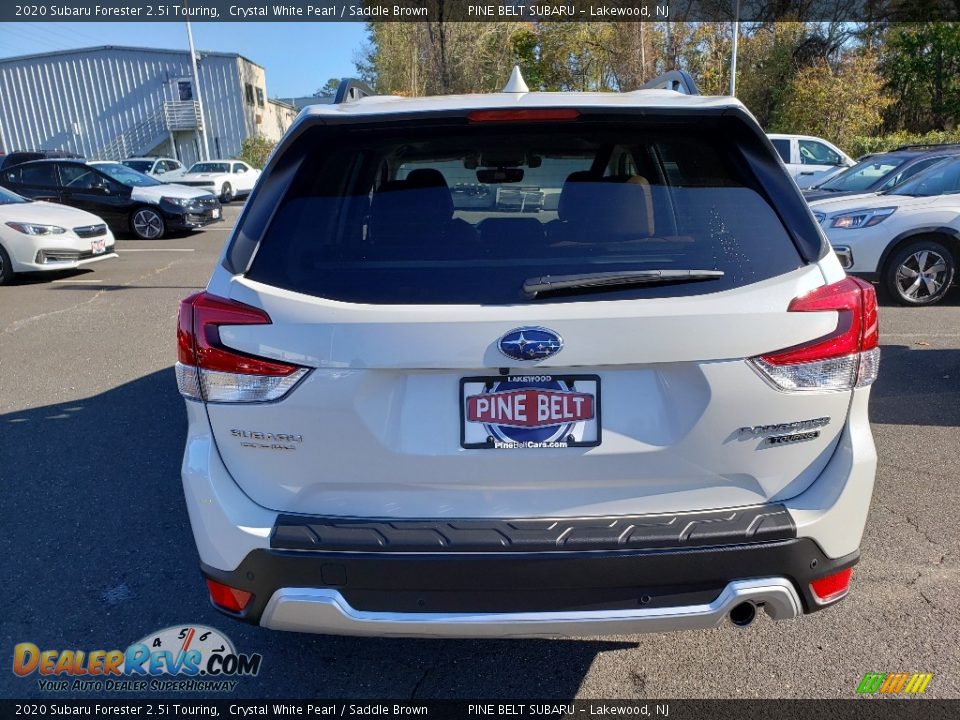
x=478, y=10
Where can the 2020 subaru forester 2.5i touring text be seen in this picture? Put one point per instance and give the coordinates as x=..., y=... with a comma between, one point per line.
x=527, y=364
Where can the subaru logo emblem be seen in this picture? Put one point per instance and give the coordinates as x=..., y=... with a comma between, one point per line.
x=530, y=343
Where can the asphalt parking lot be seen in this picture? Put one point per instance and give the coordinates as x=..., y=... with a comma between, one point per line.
x=99, y=553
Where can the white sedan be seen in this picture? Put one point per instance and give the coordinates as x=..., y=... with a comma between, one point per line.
x=227, y=179
x=41, y=236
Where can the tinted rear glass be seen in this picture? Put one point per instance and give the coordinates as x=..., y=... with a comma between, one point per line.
x=467, y=214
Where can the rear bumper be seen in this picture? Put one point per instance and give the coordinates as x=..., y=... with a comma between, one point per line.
x=324, y=610
x=504, y=594
x=657, y=585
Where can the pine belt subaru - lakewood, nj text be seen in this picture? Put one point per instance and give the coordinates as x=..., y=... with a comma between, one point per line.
x=625, y=393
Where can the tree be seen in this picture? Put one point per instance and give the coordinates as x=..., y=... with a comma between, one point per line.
x=837, y=103
x=922, y=69
x=329, y=89
x=255, y=150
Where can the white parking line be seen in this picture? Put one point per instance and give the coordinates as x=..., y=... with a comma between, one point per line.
x=126, y=250
x=77, y=282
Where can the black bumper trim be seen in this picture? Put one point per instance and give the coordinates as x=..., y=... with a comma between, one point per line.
x=516, y=582
x=763, y=523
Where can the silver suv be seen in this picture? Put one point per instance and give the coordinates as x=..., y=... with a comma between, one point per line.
x=625, y=392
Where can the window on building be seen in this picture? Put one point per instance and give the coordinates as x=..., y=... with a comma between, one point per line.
x=185, y=90
x=260, y=96
x=249, y=93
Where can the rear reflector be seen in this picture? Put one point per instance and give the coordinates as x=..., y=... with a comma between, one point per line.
x=226, y=597
x=846, y=358
x=523, y=115
x=832, y=587
x=208, y=370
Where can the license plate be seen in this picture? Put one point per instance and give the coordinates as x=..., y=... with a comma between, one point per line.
x=535, y=411
x=98, y=246
x=215, y=213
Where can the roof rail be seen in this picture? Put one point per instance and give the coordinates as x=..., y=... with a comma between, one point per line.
x=351, y=89
x=677, y=80
x=918, y=146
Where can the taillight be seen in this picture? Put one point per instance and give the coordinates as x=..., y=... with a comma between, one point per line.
x=207, y=370
x=832, y=587
x=226, y=597
x=846, y=358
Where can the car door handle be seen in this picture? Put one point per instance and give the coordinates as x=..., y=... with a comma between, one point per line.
x=808, y=172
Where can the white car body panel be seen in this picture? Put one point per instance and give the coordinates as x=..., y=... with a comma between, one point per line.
x=23, y=248
x=380, y=398
x=808, y=174
x=152, y=194
x=868, y=245
x=228, y=525
x=242, y=183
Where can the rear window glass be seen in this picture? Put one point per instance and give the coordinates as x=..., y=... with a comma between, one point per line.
x=468, y=214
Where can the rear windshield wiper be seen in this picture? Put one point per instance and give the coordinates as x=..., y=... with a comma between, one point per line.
x=532, y=287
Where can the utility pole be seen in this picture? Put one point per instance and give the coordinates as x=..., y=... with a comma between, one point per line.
x=733, y=50
x=205, y=148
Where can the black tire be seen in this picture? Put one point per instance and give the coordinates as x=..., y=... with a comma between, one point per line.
x=227, y=193
x=147, y=223
x=6, y=267
x=920, y=273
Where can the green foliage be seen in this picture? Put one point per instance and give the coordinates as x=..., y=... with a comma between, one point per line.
x=872, y=144
x=838, y=104
x=841, y=80
x=255, y=151
x=766, y=67
x=329, y=88
x=922, y=64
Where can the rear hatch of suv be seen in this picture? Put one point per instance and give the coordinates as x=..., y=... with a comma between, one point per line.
x=539, y=313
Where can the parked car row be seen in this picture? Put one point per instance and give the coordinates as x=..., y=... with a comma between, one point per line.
x=60, y=213
x=894, y=218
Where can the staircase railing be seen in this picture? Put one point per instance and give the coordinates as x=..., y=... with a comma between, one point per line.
x=142, y=137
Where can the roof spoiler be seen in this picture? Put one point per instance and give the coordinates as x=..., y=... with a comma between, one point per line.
x=351, y=89
x=676, y=80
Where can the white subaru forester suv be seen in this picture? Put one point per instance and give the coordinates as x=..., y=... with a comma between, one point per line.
x=618, y=384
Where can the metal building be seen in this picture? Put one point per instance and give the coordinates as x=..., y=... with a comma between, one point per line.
x=113, y=102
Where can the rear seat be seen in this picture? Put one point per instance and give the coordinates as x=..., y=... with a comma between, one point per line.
x=417, y=211
x=597, y=209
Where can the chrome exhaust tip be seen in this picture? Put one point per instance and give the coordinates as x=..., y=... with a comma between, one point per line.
x=743, y=614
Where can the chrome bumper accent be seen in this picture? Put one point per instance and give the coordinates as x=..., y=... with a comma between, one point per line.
x=327, y=611
x=845, y=256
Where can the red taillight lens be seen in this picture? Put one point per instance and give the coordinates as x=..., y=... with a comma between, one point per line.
x=228, y=598
x=208, y=370
x=523, y=115
x=846, y=358
x=855, y=301
x=832, y=587
x=209, y=312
